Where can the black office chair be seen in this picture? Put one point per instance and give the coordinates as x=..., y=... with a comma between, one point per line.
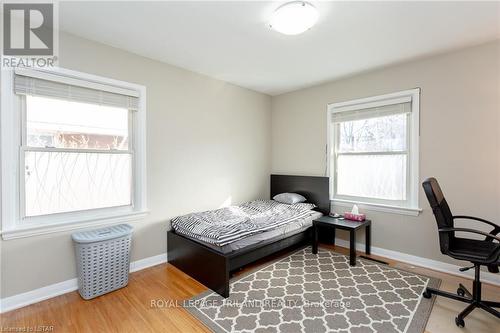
x=479, y=252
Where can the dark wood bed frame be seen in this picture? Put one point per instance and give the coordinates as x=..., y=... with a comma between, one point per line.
x=213, y=268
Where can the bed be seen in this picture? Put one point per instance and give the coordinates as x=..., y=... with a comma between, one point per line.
x=212, y=264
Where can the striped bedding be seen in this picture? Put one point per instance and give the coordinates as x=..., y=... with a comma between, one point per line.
x=229, y=224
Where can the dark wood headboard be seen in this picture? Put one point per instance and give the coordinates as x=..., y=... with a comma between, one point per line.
x=314, y=189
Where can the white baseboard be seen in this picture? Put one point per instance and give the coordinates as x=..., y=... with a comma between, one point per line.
x=424, y=262
x=148, y=262
x=37, y=295
x=56, y=289
x=53, y=290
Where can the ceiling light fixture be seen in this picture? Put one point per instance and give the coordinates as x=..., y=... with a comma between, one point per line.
x=294, y=18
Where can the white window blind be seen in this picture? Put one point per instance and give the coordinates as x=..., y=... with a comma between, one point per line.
x=373, y=112
x=36, y=83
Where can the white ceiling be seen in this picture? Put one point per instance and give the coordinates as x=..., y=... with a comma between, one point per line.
x=231, y=41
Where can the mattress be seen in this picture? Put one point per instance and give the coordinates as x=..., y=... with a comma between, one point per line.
x=293, y=227
x=229, y=224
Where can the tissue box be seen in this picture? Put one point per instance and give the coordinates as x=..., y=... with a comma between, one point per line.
x=354, y=217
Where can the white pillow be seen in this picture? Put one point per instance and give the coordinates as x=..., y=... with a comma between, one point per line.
x=289, y=198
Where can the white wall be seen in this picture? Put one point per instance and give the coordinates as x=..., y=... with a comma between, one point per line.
x=459, y=141
x=208, y=144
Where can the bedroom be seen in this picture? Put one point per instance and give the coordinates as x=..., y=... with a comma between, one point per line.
x=217, y=116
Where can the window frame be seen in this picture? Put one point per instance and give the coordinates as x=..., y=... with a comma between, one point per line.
x=13, y=134
x=406, y=207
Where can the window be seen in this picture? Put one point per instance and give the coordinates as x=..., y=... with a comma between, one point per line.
x=373, y=151
x=76, y=156
x=78, y=143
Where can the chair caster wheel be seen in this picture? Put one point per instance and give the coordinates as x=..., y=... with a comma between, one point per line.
x=426, y=294
x=459, y=322
x=460, y=292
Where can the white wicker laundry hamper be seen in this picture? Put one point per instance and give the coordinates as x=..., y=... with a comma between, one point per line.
x=103, y=259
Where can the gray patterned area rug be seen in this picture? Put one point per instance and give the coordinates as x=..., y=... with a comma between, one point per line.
x=319, y=293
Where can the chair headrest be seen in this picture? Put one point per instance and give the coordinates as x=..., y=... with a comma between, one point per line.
x=433, y=192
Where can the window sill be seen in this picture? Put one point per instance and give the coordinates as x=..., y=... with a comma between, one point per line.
x=37, y=229
x=378, y=207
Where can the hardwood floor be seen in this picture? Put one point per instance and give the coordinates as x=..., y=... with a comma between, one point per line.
x=151, y=303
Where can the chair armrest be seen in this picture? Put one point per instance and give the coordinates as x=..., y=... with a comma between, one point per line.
x=496, y=226
x=471, y=231
x=494, y=232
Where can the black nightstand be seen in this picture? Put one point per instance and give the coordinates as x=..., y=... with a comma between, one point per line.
x=338, y=223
